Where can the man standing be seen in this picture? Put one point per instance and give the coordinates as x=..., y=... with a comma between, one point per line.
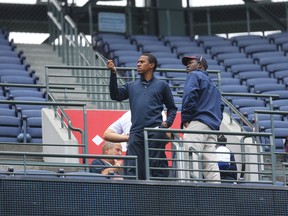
x=201, y=110
x=147, y=96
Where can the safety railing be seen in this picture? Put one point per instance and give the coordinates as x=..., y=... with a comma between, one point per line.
x=94, y=85
x=251, y=166
x=72, y=46
x=65, y=120
x=22, y=166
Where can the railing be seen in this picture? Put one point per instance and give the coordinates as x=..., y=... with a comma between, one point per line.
x=73, y=47
x=65, y=120
x=253, y=167
x=24, y=163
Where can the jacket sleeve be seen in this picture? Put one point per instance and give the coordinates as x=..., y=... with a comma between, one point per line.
x=118, y=94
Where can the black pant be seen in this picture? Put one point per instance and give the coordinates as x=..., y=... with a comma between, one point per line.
x=136, y=148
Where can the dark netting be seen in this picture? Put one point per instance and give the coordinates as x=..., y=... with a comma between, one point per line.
x=53, y=197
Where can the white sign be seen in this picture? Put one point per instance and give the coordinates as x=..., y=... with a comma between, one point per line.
x=112, y=22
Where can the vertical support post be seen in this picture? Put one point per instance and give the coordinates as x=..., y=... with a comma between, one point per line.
x=208, y=22
x=248, y=20
x=146, y=150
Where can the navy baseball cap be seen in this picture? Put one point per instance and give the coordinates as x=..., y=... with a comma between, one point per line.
x=200, y=59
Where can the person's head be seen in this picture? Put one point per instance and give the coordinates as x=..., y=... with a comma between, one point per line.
x=146, y=62
x=194, y=63
x=110, y=148
x=222, y=140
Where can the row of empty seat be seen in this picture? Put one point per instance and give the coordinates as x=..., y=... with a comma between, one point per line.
x=23, y=120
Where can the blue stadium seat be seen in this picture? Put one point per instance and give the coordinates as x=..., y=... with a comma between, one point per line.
x=119, y=53
x=175, y=44
x=244, y=67
x=3, y=105
x=230, y=81
x=29, y=106
x=11, y=60
x=273, y=36
x=156, y=48
x=280, y=103
x=140, y=44
x=236, y=61
x=34, y=129
x=253, y=81
x=284, y=48
x=267, y=124
x=264, y=61
x=9, y=53
x=31, y=113
x=165, y=61
x=223, y=49
x=15, y=72
x=250, y=50
x=7, y=112
x=183, y=50
x=245, y=43
x=272, y=68
x=246, y=75
x=203, y=38
x=13, y=66
x=163, y=54
x=280, y=135
x=283, y=94
x=221, y=57
x=261, y=88
x=251, y=117
x=10, y=128
x=25, y=93
x=247, y=102
x=284, y=108
x=258, y=55
x=281, y=74
x=250, y=110
x=169, y=39
x=240, y=38
x=207, y=45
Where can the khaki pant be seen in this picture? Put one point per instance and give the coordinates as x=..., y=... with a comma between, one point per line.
x=209, y=147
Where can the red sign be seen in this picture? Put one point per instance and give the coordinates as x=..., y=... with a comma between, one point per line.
x=97, y=122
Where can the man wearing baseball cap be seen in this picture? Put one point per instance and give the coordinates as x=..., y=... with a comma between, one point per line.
x=201, y=110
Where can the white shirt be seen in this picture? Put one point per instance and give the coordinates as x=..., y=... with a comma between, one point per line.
x=223, y=156
x=123, y=125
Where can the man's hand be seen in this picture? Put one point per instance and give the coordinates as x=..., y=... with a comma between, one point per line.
x=110, y=65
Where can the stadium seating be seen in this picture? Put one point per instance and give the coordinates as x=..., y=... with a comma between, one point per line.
x=10, y=128
x=250, y=50
x=34, y=129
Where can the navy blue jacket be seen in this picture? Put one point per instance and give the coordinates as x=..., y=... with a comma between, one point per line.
x=146, y=101
x=201, y=100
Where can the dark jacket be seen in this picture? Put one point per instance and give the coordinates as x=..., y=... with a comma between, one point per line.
x=201, y=100
x=146, y=101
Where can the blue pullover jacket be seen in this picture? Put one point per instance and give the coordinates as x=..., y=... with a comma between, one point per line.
x=201, y=100
x=146, y=101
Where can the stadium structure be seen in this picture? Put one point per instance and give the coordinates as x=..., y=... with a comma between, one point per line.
x=55, y=106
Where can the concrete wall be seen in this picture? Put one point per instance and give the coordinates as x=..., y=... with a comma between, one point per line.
x=54, y=134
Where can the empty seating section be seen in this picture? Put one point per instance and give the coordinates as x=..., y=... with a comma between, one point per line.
x=18, y=119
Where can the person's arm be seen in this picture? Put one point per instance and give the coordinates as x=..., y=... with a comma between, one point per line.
x=112, y=136
x=115, y=93
x=115, y=169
